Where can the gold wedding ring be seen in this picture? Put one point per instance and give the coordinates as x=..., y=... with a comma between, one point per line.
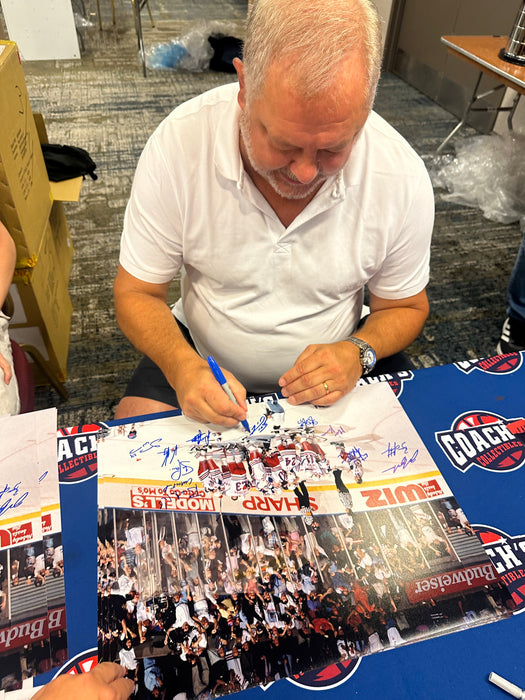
x=326, y=387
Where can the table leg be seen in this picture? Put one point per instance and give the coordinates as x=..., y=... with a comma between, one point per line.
x=458, y=126
x=512, y=110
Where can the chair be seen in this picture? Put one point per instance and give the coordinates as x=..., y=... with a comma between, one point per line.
x=45, y=665
x=38, y=359
x=100, y=15
x=138, y=6
x=24, y=378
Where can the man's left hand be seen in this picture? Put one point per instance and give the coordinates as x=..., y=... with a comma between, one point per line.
x=322, y=374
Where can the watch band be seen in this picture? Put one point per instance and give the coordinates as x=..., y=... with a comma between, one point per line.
x=367, y=355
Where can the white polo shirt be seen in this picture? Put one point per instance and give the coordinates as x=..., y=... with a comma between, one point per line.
x=255, y=293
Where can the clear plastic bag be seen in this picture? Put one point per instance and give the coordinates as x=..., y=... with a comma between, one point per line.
x=166, y=55
x=487, y=172
x=81, y=22
x=191, y=52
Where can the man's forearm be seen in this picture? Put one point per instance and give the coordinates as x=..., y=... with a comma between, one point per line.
x=392, y=330
x=392, y=326
x=323, y=373
x=147, y=321
x=150, y=326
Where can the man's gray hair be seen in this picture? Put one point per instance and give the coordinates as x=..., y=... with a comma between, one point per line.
x=316, y=35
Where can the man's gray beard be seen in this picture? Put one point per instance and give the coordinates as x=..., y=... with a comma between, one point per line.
x=268, y=175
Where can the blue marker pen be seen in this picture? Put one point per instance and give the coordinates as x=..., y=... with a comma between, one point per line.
x=219, y=376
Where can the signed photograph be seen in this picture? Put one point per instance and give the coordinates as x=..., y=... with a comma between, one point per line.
x=33, y=637
x=232, y=558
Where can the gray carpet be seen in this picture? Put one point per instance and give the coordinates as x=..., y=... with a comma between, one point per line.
x=104, y=104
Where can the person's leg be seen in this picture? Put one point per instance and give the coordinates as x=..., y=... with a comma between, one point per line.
x=516, y=291
x=303, y=497
x=148, y=390
x=399, y=362
x=131, y=406
x=513, y=332
x=342, y=491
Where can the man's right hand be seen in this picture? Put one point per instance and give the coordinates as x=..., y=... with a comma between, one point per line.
x=146, y=319
x=202, y=398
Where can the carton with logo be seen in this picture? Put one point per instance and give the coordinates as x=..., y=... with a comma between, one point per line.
x=25, y=196
x=42, y=305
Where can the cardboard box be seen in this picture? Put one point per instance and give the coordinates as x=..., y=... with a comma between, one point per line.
x=43, y=309
x=65, y=191
x=25, y=195
x=62, y=239
x=31, y=208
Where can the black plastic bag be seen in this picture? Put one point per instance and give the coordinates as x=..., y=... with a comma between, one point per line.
x=66, y=162
x=225, y=49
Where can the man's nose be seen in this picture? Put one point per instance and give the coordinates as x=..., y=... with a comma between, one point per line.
x=305, y=169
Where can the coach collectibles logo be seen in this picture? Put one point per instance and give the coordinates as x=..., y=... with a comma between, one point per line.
x=395, y=380
x=77, y=452
x=508, y=556
x=501, y=364
x=328, y=677
x=486, y=440
x=81, y=663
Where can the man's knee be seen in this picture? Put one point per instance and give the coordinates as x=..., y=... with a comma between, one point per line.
x=132, y=406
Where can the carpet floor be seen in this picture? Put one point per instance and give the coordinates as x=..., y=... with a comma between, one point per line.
x=104, y=104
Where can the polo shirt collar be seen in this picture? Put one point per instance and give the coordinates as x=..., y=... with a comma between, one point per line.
x=227, y=155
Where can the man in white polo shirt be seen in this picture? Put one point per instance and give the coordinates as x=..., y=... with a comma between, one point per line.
x=280, y=197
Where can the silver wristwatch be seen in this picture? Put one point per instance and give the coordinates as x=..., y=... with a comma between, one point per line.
x=367, y=356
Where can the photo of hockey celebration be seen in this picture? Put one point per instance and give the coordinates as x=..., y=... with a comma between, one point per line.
x=237, y=558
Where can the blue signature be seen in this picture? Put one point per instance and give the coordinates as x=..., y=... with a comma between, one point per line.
x=15, y=498
x=394, y=448
x=145, y=447
x=169, y=455
x=201, y=438
x=357, y=453
x=403, y=464
x=307, y=422
x=338, y=430
x=181, y=470
x=260, y=426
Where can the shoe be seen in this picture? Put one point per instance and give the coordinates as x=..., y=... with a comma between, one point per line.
x=512, y=337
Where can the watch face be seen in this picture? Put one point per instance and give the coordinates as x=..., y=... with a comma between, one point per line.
x=369, y=358
x=367, y=355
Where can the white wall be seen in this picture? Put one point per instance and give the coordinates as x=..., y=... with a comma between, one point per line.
x=42, y=29
x=384, y=8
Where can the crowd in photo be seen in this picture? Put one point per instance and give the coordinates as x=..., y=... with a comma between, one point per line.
x=23, y=571
x=212, y=604
x=32, y=659
x=32, y=563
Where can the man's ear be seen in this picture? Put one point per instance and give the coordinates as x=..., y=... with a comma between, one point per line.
x=241, y=97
